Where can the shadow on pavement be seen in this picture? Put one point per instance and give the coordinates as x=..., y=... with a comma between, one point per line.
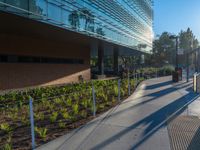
x=155, y=121
x=195, y=143
x=158, y=85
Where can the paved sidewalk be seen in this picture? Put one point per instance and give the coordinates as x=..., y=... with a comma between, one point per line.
x=140, y=122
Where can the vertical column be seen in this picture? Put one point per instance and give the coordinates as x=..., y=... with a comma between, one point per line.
x=198, y=60
x=195, y=61
x=100, y=58
x=116, y=65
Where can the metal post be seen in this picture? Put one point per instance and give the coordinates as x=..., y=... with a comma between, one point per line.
x=119, y=90
x=129, y=86
x=156, y=72
x=195, y=53
x=32, y=123
x=94, y=100
x=187, y=59
x=136, y=78
x=176, y=51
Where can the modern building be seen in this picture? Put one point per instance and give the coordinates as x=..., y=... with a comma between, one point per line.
x=47, y=42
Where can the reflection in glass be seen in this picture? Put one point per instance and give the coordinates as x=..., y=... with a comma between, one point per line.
x=124, y=22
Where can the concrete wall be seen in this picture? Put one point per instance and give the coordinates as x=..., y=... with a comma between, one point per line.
x=18, y=75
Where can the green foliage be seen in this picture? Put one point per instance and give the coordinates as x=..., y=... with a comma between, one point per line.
x=75, y=108
x=39, y=116
x=59, y=105
x=5, y=127
x=41, y=132
x=83, y=113
x=53, y=116
x=7, y=146
x=69, y=102
x=65, y=115
x=115, y=90
x=61, y=124
x=84, y=102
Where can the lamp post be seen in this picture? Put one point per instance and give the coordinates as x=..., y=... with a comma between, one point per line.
x=187, y=55
x=176, y=38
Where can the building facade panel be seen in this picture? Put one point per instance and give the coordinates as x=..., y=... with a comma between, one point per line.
x=125, y=22
x=29, y=72
x=47, y=42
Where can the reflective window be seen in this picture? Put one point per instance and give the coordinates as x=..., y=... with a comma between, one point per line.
x=126, y=22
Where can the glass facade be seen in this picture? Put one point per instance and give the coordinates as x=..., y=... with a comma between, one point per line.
x=124, y=22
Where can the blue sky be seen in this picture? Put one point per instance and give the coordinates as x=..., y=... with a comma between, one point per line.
x=174, y=15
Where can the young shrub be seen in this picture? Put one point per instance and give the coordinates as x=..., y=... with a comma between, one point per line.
x=5, y=127
x=58, y=101
x=24, y=119
x=65, y=115
x=75, y=108
x=39, y=116
x=113, y=99
x=7, y=146
x=61, y=124
x=41, y=132
x=53, y=117
x=69, y=102
x=83, y=113
x=84, y=103
x=115, y=90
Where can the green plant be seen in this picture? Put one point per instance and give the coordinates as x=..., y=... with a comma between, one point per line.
x=42, y=132
x=75, y=108
x=58, y=101
x=7, y=146
x=115, y=90
x=61, y=124
x=83, y=113
x=5, y=127
x=69, y=102
x=53, y=116
x=24, y=119
x=84, y=103
x=65, y=115
x=39, y=116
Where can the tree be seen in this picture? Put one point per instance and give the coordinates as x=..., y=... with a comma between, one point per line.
x=186, y=39
x=163, y=50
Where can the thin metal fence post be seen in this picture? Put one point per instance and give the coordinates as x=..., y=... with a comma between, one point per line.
x=32, y=123
x=94, y=100
x=129, y=86
x=136, y=78
x=119, y=90
x=156, y=73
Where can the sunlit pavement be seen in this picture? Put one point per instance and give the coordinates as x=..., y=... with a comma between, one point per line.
x=140, y=122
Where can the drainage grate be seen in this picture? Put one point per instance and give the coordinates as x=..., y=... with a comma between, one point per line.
x=184, y=132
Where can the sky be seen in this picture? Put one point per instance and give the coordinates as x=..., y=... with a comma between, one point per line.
x=175, y=15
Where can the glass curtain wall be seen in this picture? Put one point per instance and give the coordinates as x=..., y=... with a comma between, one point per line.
x=124, y=22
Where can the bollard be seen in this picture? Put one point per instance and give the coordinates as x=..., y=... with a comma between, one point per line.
x=94, y=100
x=119, y=90
x=32, y=123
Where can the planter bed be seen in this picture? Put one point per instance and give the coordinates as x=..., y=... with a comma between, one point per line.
x=57, y=110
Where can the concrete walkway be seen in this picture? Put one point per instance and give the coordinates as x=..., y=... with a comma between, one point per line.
x=140, y=122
